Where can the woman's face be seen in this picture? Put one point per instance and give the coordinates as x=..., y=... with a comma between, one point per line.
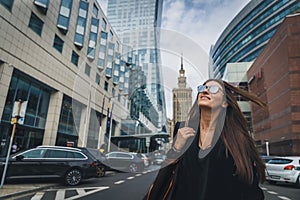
x=211, y=96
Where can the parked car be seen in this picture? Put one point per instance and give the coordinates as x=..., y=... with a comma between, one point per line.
x=101, y=167
x=71, y=165
x=124, y=161
x=144, y=157
x=283, y=169
x=266, y=158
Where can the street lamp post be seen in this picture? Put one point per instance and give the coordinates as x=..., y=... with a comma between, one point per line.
x=110, y=124
x=110, y=119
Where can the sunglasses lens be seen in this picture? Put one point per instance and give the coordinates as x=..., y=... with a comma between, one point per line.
x=213, y=89
x=201, y=88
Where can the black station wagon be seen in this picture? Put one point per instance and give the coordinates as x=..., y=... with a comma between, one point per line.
x=71, y=165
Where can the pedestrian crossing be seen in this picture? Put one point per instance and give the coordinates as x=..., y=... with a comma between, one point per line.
x=61, y=194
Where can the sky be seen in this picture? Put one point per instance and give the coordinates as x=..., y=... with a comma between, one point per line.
x=195, y=25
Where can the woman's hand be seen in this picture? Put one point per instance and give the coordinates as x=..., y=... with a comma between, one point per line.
x=183, y=134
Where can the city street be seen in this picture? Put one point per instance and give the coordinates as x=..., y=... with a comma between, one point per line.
x=88, y=86
x=118, y=185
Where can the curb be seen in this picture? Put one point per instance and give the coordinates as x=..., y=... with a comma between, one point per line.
x=26, y=191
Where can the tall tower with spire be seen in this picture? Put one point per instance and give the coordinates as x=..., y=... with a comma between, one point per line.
x=182, y=97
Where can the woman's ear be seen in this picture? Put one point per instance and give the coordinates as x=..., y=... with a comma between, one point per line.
x=224, y=104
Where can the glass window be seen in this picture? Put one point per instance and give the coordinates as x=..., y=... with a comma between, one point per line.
x=106, y=86
x=22, y=90
x=70, y=116
x=101, y=63
x=97, y=79
x=81, y=23
x=108, y=72
x=32, y=100
x=57, y=154
x=79, y=155
x=58, y=44
x=94, y=126
x=7, y=4
x=42, y=109
x=91, y=52
x=75, y=58
x=104, y=23
x=93, y=38
x=103, y=35
x=36, y=153
x=87, y=70
x=280, y=161
x=37, y=98
x=111, y=35
x=64, y=15
x=36, y=24
x=95, y=10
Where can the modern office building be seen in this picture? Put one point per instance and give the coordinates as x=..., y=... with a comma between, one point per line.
x=236, y=74
x=182, y=98
x=248, y=33
x=66, y=62
x=138, y=22
x=274, y=77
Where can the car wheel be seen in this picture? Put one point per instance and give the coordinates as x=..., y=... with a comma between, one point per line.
x=101, y=171
x=73, y=177
x=133, y=168
x=298, y=182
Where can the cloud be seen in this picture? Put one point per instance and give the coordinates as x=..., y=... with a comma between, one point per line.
x=202, y=20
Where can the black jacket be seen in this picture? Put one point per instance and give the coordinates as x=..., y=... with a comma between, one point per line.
x=210, y=178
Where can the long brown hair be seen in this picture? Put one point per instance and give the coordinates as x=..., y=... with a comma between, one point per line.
x=235, y=133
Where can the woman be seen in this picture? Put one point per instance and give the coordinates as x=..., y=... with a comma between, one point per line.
x=213, y=156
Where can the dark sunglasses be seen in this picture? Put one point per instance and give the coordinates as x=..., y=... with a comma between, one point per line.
x=213, y=89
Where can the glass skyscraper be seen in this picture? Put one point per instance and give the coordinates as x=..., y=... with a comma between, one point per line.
x=137, y=23
x=248, y=33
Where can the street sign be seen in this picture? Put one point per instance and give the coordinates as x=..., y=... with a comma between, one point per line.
x=23, y=109
x=19, y=111
x=15, y=109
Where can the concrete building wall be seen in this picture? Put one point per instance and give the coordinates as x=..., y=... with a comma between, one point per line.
x=33, y=55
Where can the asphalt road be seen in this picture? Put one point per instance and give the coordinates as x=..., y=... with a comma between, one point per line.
x=134, y=187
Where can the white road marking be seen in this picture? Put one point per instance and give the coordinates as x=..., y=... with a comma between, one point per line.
x=97, y=189
x=138, y=175
x=38, y=196
x=60, y=194
x=80, y=191
x=131, y=177
x=119, y=182
x=271, y=192
x=284, y=198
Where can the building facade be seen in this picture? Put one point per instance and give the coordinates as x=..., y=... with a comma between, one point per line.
x=236, y=74
x=182, y=98
x=65, y=60
x=274, y=76
x=138, y=22
x=248, y=33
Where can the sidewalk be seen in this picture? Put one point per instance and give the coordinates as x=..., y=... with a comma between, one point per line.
x=14, y=189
